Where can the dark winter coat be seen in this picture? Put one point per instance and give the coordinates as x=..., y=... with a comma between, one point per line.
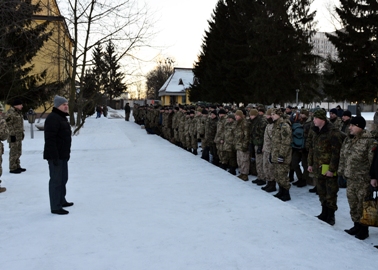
x=57, y=136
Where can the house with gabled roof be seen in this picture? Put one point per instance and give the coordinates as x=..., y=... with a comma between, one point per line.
x=175, y=89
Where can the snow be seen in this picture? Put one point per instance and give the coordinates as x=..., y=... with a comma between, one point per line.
x=143, y=203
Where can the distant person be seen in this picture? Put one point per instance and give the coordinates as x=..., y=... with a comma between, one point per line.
x=15, y=123
x=57, y=153
x=127, y=112
x=98, y=111
x=4, y=133
x=339, y=111
x=105, y=111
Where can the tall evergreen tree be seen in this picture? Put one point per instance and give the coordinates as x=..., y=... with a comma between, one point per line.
x=20, y=40
x=354, y=74
x=113, y=77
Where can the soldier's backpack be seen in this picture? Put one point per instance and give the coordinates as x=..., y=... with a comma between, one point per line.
x=298, y=141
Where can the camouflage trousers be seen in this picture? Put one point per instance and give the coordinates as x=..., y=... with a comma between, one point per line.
x=176, y=135
x=281, y=175
x=228, y=158
x=15, y=151
x=1, y=158
x=357, y=190
x=183, y=139
x=192, y=141
x=268, y=167
x=327, y=188
x=260, y=165
x=243, y=161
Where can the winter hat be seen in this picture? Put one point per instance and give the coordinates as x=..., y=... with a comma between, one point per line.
x=253, y=112
x=231, y=116
x=269, y=112
x=358, y=121
x=347, y=113
x=221, y=111
x=321, y=114
x=277, y=111
x=334, y=111
x=261, y=109
x=239, y=112
x=305, y=112
x=214, y=112
x=204, y=111
x=58, y=100
x=17, y=102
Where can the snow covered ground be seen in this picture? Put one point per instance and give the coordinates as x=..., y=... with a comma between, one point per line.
x=143, y=203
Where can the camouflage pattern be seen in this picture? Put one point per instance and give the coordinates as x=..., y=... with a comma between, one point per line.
x=15, y=123
x=257, y=129
x=192, y=133
x=175, y=125
x=229, y=152
x=356, y=156
x=241, y=144
x=325, y=149
x=4, y=133
x=267, y=147
x=345, y=127
x=337, y=122
x=210, y=132
x=182, y=136
x=281, y=147
x=201, y=129
x=219, y=138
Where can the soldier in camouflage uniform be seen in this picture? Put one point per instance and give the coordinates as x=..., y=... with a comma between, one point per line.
x=201, y=133
x=281, y=154
x=241, y=140
x=267, y=148
x=15, y=123
x=356, y=156
x=257, y=128
x=210, y=131
x=334, y=119
x=220, y=137
x=228, y=145
x=181, y=128
x=4, y=133
x=323, y=162
x=192, y=133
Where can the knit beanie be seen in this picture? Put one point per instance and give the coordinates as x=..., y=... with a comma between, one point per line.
x=277, y=111
x=305, y=112
x=204, y=111
x=334, y=111
x=221, y=111
x=232, y=116
x=347, y=113
x=358, y=121
x=253, y=112
x=58, y=100
x=239, y=112
x=17, y=102
x=321, y=114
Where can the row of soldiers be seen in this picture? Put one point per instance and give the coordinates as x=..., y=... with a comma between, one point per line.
x=280, y=142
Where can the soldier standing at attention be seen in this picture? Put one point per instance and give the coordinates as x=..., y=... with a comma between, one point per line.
x=15, y=123
x=323, y=162
x=4, y=133
x=281, y=154
x=356, y=156
x=241, y=139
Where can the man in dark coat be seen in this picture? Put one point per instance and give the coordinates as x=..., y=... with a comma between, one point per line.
x=127, y=111
x=57, y=152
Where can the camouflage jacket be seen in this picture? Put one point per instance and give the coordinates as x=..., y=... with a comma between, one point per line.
x=175, y=120
x=325, y=148
x=307, y=125
x=281, y=141
x=15, y=123
x=257, y=129
x=197, y=120
x=267, y=146
x=337, y=122
x=220, y=131
x=241, y=135
x=4, y=131
x=356, y=155
x=345, y=127
x=181, y=122
x=228, y=137
x=201, y=126
x=192, y=127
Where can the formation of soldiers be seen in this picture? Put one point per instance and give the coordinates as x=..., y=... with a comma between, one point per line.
x=275, y=144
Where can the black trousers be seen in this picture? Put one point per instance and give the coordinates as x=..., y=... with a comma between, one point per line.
x=57, y=183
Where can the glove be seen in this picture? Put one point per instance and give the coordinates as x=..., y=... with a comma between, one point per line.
x=23, y=135
x=270, y=159
x=13, y=138
x=280, y=159
x=259, y=150
x=55, y=162
x=202, y=136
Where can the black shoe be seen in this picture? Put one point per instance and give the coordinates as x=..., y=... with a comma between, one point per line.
x=324, y=214
x=60, y=212
x=67, y=204
x=363, y=233
x=255, y=181
x=285, y=196
x=261, y=182
x=313, y=190
x=331, y=217
x=195, y=152
x=16, y=171
x=301, y=183
x=22, y=169
x=354, y=230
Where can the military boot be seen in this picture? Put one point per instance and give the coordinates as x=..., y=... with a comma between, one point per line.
x=195, y=152
x=301, y=183
x=363, y=233
x=261, y=182
x=265, y=187
x=285, y=196
x=243, y=177
x=271, y=186
x=232, y=170
x=331, y=217
x=354, y=230
x=279, y=193
x=323, y=215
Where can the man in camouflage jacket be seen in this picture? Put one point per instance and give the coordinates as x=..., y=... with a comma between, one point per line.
x=210, y=132
x=267, y=148
x=241, y=142
x=219, y=137
x=4, y=133
x=15, y=123
x=323, y=162
x=356, y=156
x=281, y=154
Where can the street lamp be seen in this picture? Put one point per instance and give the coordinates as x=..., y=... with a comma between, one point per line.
x=296, y=98
x=31, y=120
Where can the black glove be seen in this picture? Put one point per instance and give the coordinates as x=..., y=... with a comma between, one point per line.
x=13, y=138
x=270, y=159
x=23, y=135
x=259, y=150
x=55, y=162
x=280, y=159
